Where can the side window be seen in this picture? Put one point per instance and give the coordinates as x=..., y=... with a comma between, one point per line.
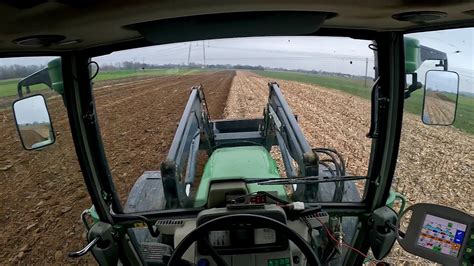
x=435, y=163
x=28, y=82
x=43, y=186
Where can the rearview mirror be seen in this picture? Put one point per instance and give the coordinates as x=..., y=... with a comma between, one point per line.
x=440, y=97
x=33, y=122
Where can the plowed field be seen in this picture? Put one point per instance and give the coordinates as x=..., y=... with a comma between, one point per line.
x=42, y=193
x=439, y=109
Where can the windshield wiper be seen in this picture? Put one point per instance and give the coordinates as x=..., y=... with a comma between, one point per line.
x=303, y=180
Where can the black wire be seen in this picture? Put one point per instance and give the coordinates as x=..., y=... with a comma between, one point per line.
x=333, y=159
x=373, y=47
x=341, y=158
x=339, y=155
x=331, y=171
x=340, y=167
x=131, y=218
x=97, y=72
x=394, y=228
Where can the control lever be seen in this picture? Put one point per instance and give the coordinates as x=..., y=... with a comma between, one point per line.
x=86, y=249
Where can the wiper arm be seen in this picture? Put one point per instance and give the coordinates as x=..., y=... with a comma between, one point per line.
x=304, y=180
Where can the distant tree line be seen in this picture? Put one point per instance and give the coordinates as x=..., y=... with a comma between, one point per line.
x=18, y=71
x=128, y=65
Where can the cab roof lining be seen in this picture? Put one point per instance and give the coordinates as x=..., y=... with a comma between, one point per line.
x=228, y=25
x=107, y=23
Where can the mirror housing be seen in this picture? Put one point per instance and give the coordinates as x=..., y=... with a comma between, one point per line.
x=33, y=122
x=440, y=97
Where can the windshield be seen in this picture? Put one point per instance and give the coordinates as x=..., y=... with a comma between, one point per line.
x=141, y=95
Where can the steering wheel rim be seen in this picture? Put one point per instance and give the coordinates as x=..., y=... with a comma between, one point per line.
x=279, y=227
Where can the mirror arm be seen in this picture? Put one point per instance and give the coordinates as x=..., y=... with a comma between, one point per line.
x=415, y=85
x=39, y=77
x=443, y=63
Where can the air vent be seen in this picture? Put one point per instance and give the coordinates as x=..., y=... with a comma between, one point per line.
x=419, y=16
x=39, y=40
x=168, y=226
x=469, y=12
x=153, y=253
x=316, y=219
x=170, y=222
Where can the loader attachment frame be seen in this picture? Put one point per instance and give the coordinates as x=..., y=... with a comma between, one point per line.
x=280, y=123
x=193, y=133
x=196, y=131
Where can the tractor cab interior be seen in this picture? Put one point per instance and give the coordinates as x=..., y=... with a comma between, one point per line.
x=244, y=203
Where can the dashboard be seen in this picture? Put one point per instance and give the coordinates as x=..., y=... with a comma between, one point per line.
x=245, y=244
x=237, y=238
x=438, y=233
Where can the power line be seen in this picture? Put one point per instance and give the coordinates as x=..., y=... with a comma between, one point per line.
x=189, y=53
x=366, y=68
x=291, y=52
x=287, y=57
x=204, y=53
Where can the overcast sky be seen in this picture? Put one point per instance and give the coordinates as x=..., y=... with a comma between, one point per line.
x=310, y=53
x=332, y=54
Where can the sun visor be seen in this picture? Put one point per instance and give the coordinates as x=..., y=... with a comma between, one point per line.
x=244, y=24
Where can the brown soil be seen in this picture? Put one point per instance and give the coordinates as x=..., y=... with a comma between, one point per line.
x=42, y=192
x=34, y=134
x=136, y=138
x=439, y=109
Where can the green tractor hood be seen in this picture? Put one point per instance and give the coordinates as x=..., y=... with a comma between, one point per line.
x=240, y=162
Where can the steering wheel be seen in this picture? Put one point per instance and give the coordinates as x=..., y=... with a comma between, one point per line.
x=201, y=232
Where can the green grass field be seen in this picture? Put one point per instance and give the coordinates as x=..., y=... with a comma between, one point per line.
x=117, y=74
x=352, y=86
x=8, y=87
x=465, y=112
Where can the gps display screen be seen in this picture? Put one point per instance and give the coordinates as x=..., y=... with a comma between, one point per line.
x=441, y=235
